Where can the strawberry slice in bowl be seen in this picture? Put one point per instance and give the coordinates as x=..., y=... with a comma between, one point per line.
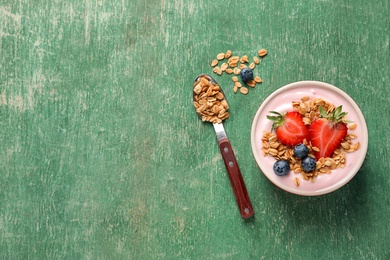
x=324, y=133
x=328, y=131
x=289, y=127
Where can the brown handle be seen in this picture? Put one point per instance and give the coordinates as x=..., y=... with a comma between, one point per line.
x=236, y=180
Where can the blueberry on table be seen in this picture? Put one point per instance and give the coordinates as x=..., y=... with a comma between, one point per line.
x=281, y=167
x=301, y=151
x=246, y=74
x=308, y=164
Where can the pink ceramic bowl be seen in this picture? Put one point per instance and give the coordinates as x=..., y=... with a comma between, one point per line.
x=280, y=101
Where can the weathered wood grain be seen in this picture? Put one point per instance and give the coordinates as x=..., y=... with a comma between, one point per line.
x=103, y=157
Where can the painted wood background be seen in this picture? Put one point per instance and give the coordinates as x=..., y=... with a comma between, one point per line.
x=103, y=157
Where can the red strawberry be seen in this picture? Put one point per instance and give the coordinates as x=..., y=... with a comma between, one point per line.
x=289, y=128
x=328, y=131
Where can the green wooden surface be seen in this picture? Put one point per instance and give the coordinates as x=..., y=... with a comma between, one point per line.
x=103, y=157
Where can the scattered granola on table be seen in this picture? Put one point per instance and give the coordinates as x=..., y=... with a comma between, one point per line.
x=235, y=65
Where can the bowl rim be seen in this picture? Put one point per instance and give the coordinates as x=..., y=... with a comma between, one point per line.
x=363, y=142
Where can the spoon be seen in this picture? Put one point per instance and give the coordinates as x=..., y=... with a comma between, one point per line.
x=233, y=170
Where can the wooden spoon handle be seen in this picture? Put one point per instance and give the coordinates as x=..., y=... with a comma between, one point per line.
x=236, y=180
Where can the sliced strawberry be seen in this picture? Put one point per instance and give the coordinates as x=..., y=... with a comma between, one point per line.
x=327, y=132
x=289, y=128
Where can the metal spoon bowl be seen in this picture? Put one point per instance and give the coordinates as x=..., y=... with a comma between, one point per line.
x=220, y=97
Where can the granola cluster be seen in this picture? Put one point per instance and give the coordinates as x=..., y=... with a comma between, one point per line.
x=209, y=100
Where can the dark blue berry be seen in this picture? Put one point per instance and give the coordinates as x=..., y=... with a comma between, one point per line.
x=246, y=74
x=301, y=151
x=281, y=167
x=308, y=164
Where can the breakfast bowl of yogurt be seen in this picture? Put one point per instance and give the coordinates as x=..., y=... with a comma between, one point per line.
x=309, y=138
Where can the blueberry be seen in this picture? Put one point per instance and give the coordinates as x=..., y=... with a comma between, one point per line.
x=301, y=151
x=281, y=167
x=246, y=74
x=308, y=164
